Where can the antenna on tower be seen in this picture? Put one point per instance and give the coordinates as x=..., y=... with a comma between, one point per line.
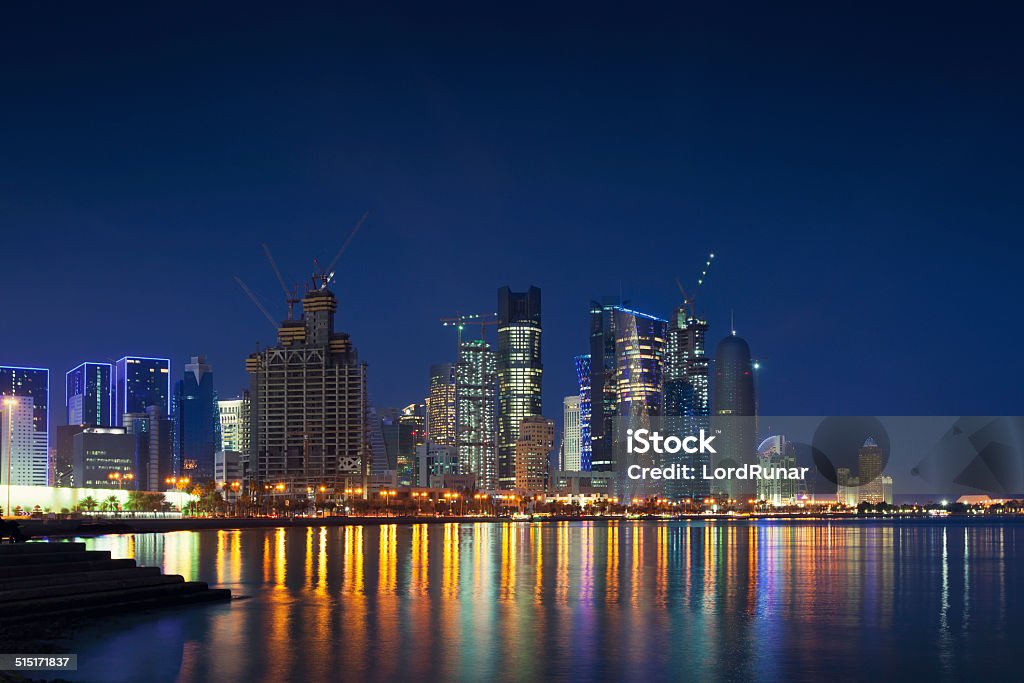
x=732, y=321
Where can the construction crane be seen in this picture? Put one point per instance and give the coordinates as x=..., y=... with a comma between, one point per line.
x=325, y=275
x=255, y=300
x=689, y=300
x=460, y=321
x=291, y=297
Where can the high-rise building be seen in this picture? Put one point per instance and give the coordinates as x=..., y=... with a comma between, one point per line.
x=583, y=381
x=441, y=405
x=104, y=458
x=476, y=388
x=846, y=487
x=234, y=424
x=435, y=460
x=775, y=452
x=308, y=404
x=520, y=372
x=196, y=421
x=869, y=472
x=534, y=444
x=627, y=351
x=687, y=404
x=887, y=497
x=153, y=462
x=411, y=435
x=139, y=383
x=88, y=388
x=734, y=412
x=572, y=442
x=25, y=425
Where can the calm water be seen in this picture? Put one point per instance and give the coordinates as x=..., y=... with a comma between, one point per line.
x=603, y=601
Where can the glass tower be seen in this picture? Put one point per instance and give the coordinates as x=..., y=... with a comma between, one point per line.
x=627, y=350
x=196, y=421
x=139, y=383
x=687, y=404
x=88, y=395
x=476, y=387
x=520, y=372
x=583, y=379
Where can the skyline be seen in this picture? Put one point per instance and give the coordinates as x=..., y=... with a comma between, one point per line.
x=839, y=232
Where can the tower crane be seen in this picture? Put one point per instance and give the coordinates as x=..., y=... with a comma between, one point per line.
x=689, y=299
x=459, y=321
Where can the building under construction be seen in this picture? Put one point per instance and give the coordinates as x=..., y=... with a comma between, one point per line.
x=308, y=410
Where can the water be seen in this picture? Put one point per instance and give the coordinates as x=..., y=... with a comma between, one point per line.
x=577, y=601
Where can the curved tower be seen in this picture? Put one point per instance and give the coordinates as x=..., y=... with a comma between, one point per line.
x=733, y=412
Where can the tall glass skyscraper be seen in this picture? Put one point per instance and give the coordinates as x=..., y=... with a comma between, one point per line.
x=441, y=405
x=24, y=425
x=687, y=404
x=88, y=396
x=571, y=438
x=583, y=379
x=476, y=388
x=139, y=383
x=734, y=410
x=520, y=372
x=196, y=421
x=627, y=355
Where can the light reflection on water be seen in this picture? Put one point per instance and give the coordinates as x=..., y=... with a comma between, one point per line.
x=613, y=601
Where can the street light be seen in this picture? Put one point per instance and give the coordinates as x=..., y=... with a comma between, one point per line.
x=10, y=404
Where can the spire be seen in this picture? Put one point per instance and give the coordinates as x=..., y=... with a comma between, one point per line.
x=732, y=321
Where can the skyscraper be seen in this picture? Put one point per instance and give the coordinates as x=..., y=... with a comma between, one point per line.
x=411, y=435
x=583, y=380
x=572, y=441
x=687, y=404
x=734, y=412
x=627, y=351
x=476, y=388
x=869, y=473
x=139, y=383
x=154, y=442
x=534, y=443
x=196, y=421
x=520, y=372
x=234, y=424
x=88, y=396
x=441, y=405
x=25, y=425
x=308, y=404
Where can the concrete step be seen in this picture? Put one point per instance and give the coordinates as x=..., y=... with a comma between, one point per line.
x=53, y=557
x=37, y=581
x=36, y=548
x=30, y=570
x=181, y=599
x=70, y=589
x=41, y=607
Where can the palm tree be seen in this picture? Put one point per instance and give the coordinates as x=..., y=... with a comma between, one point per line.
x=112, y=503
x=88, y=503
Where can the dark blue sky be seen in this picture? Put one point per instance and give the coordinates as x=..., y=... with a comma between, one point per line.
x=857, y=172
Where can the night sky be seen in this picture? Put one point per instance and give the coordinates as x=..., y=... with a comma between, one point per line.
x=857, y=173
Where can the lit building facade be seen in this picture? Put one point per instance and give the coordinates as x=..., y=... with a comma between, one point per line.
x=869, y=472
x=627, y=350
x=533, y=446
x=412, y=434
x=153, y=462
x=139, y=383
x=88, y=395
x=234, y=424
x=687, y=398
x=441, y=405
x=520, y=372
x=104, y=458
x=572, y=438
x=25, y=427
x=775, y=452
x=308, y=405
x=476, y=392
x=583, y=381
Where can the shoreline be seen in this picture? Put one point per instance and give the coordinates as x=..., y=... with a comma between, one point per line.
x=38, y=529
